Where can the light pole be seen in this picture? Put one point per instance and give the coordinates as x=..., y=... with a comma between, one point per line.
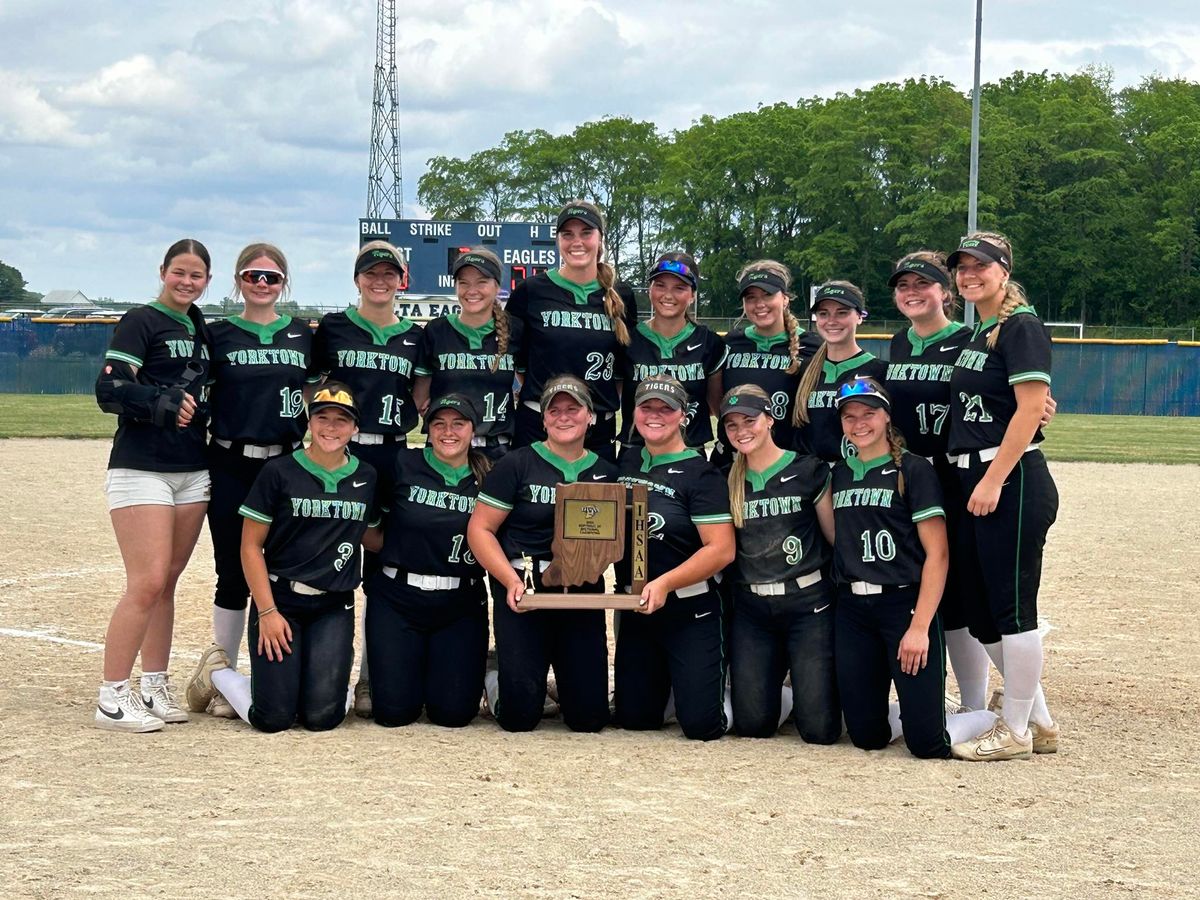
x=973, y=179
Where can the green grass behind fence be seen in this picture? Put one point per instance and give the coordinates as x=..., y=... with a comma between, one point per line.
x=1122, y=439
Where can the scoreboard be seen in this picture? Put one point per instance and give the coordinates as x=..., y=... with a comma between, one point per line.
x=430, y=247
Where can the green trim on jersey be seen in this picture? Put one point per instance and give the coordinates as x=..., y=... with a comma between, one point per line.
x=179, y=317
x=474, y=336
x=860, y=467
x=649, y=461
x=570, y=470
x=488, y=500
x=247, y=513
x=715, y=519
x=579, y=291
x=1029, y=376
x=919, y=344
x=379, y=335
x=758, y=480
x=329, y=478
x=833, y=371
x=124, y=357
x=666, y=345
x=764, y=342
x=264, y=333
x=452, y=475
x=987, y=323
x=931, y=512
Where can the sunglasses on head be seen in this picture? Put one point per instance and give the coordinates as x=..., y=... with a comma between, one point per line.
x=262, y=276
x=674, y=267
x=859, y=387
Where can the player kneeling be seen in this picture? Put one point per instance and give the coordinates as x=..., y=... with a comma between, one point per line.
x=305, y=519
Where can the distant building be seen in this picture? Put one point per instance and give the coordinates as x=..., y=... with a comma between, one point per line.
x=66, y=298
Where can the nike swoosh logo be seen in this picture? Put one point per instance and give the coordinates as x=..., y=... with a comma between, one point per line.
x=350, y=606
x=597, y=477
x=671, y=471
x=887, y=471
x=784, y=478
x=822, y=609
x=703, y=614
x=358, y=483
x=948, y=349
x=408, y=343
x=119, y=714
x=692, y=347
x=293, y=335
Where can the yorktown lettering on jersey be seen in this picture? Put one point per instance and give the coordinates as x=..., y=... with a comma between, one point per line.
x=266, y=356
x=539, y=493
x=771, y=506
x=821, y=399
x=473, y=362
x=684, y=372
x=971, y=359
x=370, y=359
x=919, y=372
x=758, y=361
x=440, y=499
x=591, y=321
x=863, y=497
x=353, y=510
x=181, y=349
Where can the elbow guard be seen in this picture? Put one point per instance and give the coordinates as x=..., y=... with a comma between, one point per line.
x=119, y=394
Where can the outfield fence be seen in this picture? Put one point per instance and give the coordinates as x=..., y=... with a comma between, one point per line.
x=1091, y=376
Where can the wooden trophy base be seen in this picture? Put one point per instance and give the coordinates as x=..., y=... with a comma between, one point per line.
x=580, y=601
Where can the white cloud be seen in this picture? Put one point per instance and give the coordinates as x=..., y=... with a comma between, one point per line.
x=26, y=117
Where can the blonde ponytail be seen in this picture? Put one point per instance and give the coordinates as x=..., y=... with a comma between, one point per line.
x=896, y=448
x=737, y=489
x=1014, y=296
x=808, y=383
x=500, y=321
x=792, y=325
x=614, y=306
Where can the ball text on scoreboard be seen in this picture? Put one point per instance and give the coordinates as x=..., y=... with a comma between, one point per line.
x=430, y=247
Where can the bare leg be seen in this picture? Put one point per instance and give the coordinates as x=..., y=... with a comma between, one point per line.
x=156, y=646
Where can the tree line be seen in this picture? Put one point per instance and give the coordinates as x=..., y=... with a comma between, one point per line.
x=1099, y=189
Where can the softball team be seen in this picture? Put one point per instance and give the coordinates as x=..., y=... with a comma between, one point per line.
x=578, y=320
x=157, y=485
x=260, y=364
x=998, y=393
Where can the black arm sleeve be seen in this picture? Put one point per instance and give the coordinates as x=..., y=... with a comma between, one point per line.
x=119, y=392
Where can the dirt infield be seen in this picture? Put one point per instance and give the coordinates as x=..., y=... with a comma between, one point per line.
x=212, y=808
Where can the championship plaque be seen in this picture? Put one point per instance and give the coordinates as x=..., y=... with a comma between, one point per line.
x=589, y=536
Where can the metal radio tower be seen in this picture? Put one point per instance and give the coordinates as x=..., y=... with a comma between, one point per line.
x=385, y=183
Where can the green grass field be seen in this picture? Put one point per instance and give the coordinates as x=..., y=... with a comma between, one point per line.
x=1116, y=439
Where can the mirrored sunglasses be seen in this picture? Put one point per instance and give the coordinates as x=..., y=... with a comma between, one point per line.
x=262, y=276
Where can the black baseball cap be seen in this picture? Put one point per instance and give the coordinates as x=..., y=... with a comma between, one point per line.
x=980, y=249
x=840, y=293
x=333, y=394
x=746, y=404
x=375, y=252
x=584, y=212
x=922, y=267
x=664, y=388
x=862, y=390
x=460, y=403
x=478, y=261
x=566, y=384
x=761, y=278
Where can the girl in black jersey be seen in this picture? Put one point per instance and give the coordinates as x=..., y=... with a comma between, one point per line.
x=511, y=529
x=305, y=518
x=474, y=352
x=427, y=622
x=782, y=597
x=675, y=642
x=672, y=343
x=578, y=320
x=768, y=351
x=998, y=393
x=157, y=484
x=374, y=352
x=891, y=556
x=838, y=310
x=260, y=365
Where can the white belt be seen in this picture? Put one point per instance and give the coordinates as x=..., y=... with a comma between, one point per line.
x=365, y=438
x=690, y=590
x=254, y=451
x=865, y=587
x=519, y=564
x=780, y=587
x=483, y=440
x=987, y=454
x=425, y=582
x=299, y=587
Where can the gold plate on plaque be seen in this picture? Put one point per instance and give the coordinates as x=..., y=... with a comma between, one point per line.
x=589, y=520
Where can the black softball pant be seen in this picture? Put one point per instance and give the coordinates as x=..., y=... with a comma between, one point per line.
x=1001, y=553
x=382, y=458
x=679, y=647
x=311, y=682
x=231, y=474
x=953, y=608
x=867, y=637
x=770, y=635
x=601, y=437
x=428, y=651
x=574, y=641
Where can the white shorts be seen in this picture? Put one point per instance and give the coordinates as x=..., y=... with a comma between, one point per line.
x=136, y=487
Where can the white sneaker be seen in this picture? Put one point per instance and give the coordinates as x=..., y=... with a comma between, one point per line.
x=160, y=699
x=200, y=689
x=121, y=709
x=996, y=744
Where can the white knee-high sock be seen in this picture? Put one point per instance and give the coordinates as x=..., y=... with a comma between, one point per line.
x=1022, y=677
x=235, y=687
x=970, y=663
x=786, y=702
x=894, y=721
x=965, y=726
x=228, y=627
x=364, y=673
x=728, y=705
x=996, y=653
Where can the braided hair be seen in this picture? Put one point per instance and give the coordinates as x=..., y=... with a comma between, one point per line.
x=606, y=275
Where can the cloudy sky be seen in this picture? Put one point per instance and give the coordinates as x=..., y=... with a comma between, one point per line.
x=126, y=125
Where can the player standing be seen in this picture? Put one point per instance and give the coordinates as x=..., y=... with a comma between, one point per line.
x=157, y=485
x=260, y=364
x=305, y=518
x=578, y=320
x=998, y=394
